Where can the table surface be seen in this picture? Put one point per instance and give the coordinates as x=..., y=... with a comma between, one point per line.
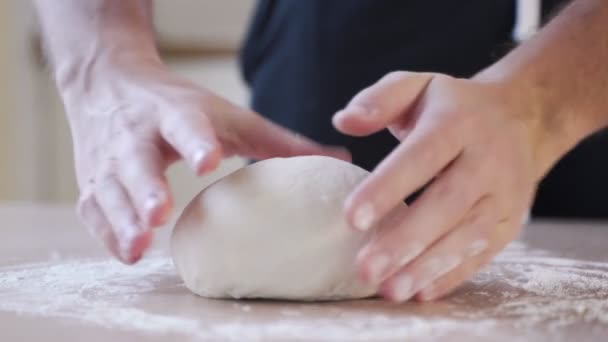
x=57, y=284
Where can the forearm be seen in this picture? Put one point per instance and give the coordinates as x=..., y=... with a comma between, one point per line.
x=81, y=36
x=563, y=70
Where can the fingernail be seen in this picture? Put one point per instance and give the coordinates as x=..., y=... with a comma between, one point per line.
x=378, y=266
x=198, y=156
x=153, y=202
x=477, y=247
x=361, y=111
x=364, y=217
x=403, y=288
x=125, y=240
x=356, y=110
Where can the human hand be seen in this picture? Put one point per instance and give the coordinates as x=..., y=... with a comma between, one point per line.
x=130, y=121
x=481, y=147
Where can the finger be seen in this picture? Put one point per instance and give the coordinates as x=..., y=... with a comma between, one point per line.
x=92, y=217
x=403, y=127
x=420, y=225
x=439, y=209
x=192, y=136
x=505, y=232
x=142, y=175
x=468, y=239
x=416, y=161
x=114, y=202
x=480, y=238
x=446, y=283
x=381, y=104
x=501, y=234
x=262, y=139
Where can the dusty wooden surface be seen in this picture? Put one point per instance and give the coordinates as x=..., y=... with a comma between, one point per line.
x=57, y=284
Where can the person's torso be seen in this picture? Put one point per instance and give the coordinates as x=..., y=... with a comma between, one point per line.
x=304, y=60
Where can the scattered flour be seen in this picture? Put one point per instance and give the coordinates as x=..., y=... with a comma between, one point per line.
x=523, y=289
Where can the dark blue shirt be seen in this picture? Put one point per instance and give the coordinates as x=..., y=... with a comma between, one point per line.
x=305, y=59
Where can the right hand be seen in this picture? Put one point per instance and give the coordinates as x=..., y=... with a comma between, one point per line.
x=129, y=122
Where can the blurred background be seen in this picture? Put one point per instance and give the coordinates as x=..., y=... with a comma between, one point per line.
x=199, y=39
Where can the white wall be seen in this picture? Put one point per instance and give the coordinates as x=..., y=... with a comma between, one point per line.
x=22, y=166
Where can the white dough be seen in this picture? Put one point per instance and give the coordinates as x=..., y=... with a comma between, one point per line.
x=274, y=229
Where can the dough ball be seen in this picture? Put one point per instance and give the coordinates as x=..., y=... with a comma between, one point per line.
x=274, y=229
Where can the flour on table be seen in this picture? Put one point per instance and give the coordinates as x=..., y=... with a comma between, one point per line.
x=523, y=288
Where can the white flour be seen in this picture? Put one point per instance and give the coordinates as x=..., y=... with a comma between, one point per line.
x=523, y=288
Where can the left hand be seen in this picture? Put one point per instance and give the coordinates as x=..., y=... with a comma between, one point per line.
x=481, y=149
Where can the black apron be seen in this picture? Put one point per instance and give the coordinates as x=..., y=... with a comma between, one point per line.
x=305, y=59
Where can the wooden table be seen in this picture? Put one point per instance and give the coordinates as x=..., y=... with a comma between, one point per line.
x=57, y=284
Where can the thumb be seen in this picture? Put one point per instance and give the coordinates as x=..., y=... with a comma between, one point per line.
x=382, y=104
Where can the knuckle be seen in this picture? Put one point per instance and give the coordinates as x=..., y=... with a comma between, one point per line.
x=483, y=230
x=447, y=125
x=93, y=150
x=477, y=219
x=196, y=107
x=447, y=189
x=84, y=206
x=104, y=180
x=182, y=95
x=130, y=173
x=456, y=194
x=443, y=78
x=127, y=123
x=88, y=213
x=132, y=123
x=428, y=155
x=110, y=162
x=184, y=126
x=168, y=124
x=137, y=150
x=197, y=114
x=106, y=161
x=172, y=125
x=204, y=99
x=436, y=145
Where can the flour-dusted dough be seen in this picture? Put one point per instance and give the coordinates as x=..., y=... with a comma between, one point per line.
x=274, y=229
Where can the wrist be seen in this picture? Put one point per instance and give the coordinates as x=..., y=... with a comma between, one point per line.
x=99, y=63
x=552, y=129
x=94, y=70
